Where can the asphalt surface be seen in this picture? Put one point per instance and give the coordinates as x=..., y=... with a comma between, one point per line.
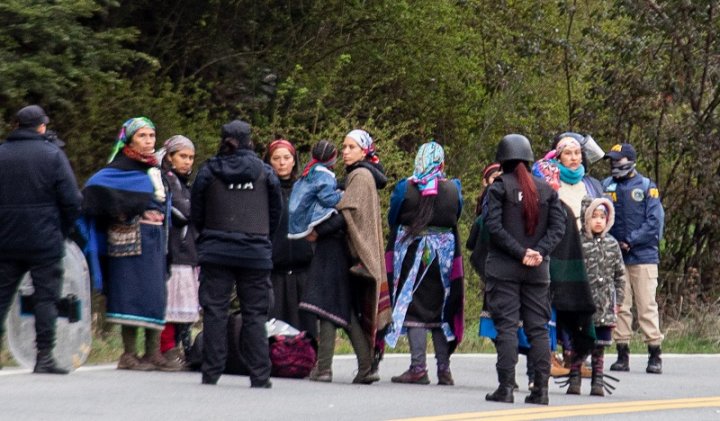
x=689, y=388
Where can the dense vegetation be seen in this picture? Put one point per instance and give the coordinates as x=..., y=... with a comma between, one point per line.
x=464, y=72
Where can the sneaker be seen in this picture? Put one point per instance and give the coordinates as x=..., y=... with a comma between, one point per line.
x=130, y=361
x=159, y=362
x=359, y=270
x=413, y=377
x=445, y=378
x=320, y=376
x=176, y=357
x=368, y=378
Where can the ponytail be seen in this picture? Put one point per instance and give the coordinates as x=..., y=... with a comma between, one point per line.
x=530, y=198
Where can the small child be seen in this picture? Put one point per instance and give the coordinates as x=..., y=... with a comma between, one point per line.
x=315, y=195
x=606, y=275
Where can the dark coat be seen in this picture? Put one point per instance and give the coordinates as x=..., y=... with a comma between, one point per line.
x=39, y=197
x=182, y=234
x=289, y=254
x=508, y=239
x=236, y=248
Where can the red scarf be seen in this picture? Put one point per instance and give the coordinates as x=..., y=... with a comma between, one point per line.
x=148, y=159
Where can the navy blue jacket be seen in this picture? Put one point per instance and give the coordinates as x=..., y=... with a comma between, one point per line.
x=236, y=248
x=638, y=217
x=39, y=197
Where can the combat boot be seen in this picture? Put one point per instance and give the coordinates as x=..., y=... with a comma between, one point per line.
x=539, y=392
x=654, y=360
x=45, y=364
x=504, y=392
x=623, y=361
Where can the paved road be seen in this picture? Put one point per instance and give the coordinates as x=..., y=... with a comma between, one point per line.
x=689, y=389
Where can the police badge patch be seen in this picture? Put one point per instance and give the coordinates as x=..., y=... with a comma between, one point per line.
x=638, y=195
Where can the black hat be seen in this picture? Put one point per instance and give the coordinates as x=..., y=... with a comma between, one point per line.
x=622, y=150
x=31, y=116
x=238, y=130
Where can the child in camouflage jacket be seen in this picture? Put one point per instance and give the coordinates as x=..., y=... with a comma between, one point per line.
x=606, y=275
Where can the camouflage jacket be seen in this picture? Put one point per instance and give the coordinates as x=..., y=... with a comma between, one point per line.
x=603, y=263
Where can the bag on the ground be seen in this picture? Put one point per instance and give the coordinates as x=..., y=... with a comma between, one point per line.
x=292, y=356
x=292, y=353
x=235, y=363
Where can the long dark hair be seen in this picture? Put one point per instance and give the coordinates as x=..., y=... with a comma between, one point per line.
x=530, y=197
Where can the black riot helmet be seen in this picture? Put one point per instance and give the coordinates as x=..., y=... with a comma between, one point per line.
x=514, y=147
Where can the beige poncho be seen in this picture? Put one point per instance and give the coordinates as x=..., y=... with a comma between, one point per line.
x=360, y=206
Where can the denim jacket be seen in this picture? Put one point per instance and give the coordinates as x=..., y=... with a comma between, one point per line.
x=312, y=201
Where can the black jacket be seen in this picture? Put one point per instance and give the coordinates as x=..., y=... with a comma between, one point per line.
x=508, y=240
x=238, y=173
x=182, y=234
x=39, y=197
x=289, y=254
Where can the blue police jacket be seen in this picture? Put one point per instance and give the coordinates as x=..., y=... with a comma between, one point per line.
x=639, y=217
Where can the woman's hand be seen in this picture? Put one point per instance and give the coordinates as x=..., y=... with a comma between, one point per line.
x=153, y=216
x=312, y=237
x=532, y=258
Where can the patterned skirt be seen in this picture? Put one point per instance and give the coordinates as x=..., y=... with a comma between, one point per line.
x=182, y=294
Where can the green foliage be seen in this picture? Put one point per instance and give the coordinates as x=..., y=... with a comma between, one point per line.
x=463, y=72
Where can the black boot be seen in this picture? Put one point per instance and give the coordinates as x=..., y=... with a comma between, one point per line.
x=623, y=361
x=539, y=393
x=654, y=361
x=504, y=392
x=46, y=364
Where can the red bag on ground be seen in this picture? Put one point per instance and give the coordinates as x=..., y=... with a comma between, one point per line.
x=292, y=356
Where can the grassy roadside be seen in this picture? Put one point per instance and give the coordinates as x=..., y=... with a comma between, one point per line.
x=697, y=335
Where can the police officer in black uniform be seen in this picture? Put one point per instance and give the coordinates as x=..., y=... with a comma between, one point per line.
x=526, y=222
x=40, y=202
x=236, y=207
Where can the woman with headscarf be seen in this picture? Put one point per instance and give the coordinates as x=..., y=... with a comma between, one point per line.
x=127, y=204
x=340, y=298
x=291, y=258
x=427, y=271
x=564, y=168
x=176, y=160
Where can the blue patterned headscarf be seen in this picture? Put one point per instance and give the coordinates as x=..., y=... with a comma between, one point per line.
x=429, y=165
x=127, y=131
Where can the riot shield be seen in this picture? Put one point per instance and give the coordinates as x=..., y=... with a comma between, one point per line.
x=73, y=327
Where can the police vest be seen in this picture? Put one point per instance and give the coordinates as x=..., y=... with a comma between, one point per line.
x=238, y=207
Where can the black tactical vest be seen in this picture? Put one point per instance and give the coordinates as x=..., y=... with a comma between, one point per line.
x=238, y=207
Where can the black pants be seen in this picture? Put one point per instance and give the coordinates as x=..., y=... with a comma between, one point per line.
x=47, y=279
x=510, y=301
x=253, y=290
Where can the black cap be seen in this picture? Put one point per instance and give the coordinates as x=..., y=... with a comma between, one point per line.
x=31, y=116
x=238, y=130
x=622, y=150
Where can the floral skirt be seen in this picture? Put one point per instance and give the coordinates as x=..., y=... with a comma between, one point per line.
x=182, y=294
